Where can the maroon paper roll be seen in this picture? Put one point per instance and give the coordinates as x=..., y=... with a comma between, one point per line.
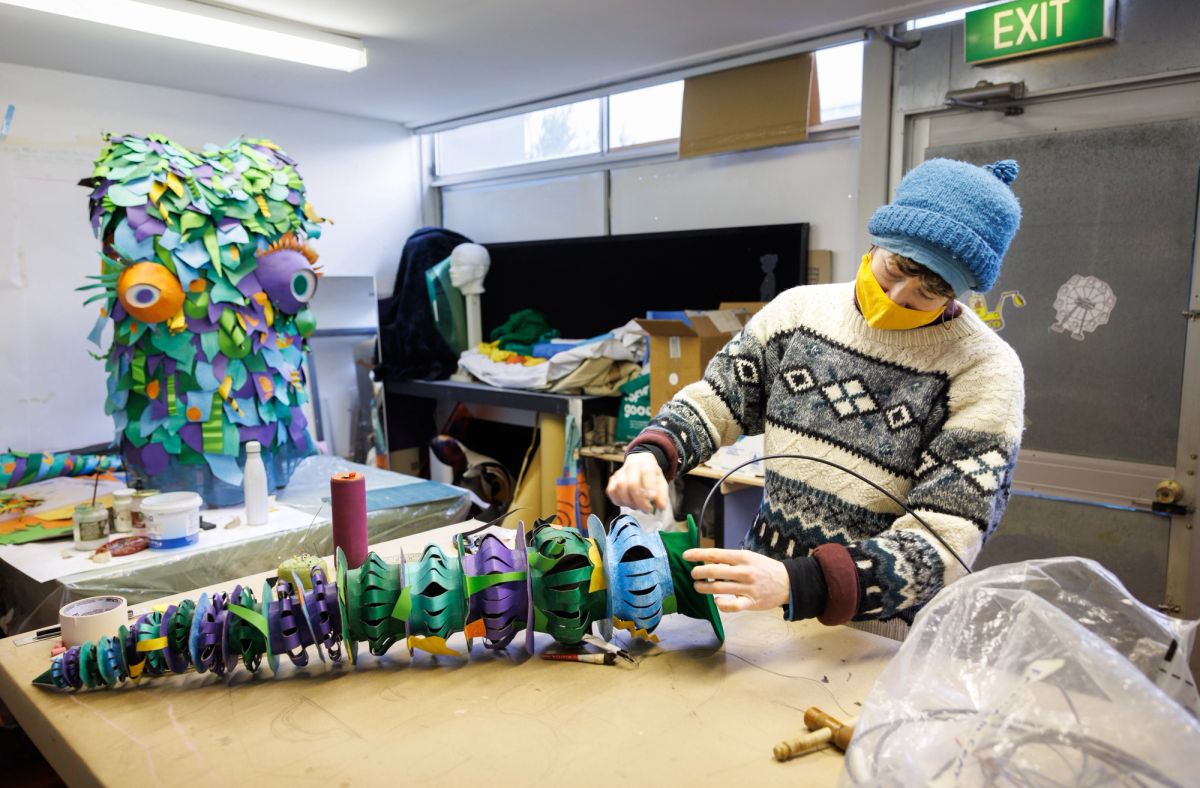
x=348, y=495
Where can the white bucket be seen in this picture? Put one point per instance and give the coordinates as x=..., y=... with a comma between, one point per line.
x=172, y=519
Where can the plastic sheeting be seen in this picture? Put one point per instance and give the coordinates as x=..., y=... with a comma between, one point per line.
x=1038, y=673
x=36, y=604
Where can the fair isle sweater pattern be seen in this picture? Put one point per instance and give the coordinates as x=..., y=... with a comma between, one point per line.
x=934, y=415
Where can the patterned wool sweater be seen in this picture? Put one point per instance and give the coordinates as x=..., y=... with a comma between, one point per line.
x=933, y=415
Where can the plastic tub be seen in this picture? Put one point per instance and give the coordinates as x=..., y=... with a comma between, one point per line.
x=172, y=519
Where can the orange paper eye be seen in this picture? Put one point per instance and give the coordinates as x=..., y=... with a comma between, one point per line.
x=149, y=292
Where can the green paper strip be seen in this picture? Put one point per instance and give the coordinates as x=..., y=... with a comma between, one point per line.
x=138, y=368
x=171, y=407
x=403, y=608
x=669, y=605
x=212, y=432
x=251, y=617
x=482, y=582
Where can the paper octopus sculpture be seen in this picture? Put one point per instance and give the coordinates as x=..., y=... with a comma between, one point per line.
x=206, y=274
x=553, y=580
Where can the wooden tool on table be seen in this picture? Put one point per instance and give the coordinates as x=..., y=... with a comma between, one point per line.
x=823, y=730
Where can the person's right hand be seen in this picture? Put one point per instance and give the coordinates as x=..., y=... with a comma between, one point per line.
x=639, y=484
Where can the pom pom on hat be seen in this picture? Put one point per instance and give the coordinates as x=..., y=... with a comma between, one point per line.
x=953, y=217
x=1005, y=169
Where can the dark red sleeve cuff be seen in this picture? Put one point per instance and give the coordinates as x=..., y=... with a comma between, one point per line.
x=662, y=441
x=841, y=578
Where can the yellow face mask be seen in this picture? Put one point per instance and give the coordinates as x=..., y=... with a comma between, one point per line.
x=881, y=311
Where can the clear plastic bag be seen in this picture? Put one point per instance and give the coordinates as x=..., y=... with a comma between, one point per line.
x=1038, y=673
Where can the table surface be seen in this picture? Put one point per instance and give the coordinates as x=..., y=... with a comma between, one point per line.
x=692, y=711
x=299, y=524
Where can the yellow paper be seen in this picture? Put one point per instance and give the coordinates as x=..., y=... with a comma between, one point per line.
x=628, y=626
x=432, y=645
x=599, y=582
x=174, y=184
x=553, y=446
x=64, y=512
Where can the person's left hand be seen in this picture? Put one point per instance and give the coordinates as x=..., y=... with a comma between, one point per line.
x=755, y=581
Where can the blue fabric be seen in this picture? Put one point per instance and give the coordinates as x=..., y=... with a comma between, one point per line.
x=954, y=218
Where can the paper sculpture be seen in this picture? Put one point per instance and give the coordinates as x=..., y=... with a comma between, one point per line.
x=206, y=274
x=555, y=578
x=20, y=468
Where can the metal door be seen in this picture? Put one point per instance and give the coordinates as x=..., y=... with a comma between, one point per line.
x=1098, y=296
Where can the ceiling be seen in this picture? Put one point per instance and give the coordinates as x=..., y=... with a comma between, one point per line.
x=435, y=60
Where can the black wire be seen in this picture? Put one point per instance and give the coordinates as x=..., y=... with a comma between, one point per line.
x=831, y=464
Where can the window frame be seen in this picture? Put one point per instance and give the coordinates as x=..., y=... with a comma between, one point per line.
x=628, y=155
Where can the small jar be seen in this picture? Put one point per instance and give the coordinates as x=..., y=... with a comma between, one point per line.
x=122, y=510
x=139, y=522
x=90, y=524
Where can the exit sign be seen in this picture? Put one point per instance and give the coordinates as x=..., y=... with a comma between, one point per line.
x=1024, y=27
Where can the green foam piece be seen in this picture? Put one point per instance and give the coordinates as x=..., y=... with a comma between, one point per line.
x=688, y=600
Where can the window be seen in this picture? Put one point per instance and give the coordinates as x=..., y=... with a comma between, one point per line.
x=839, y=81
x=638, y=117
x=566, y=130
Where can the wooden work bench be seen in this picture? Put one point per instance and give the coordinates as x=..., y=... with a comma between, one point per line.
x=691, y=713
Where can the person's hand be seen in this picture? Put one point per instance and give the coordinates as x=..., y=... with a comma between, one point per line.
x=639, y=484
x=755, y=581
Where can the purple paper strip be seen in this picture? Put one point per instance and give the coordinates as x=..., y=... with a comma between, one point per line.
x=249, y=285
x=193, y=437
x=154, y=458
x=264, y=434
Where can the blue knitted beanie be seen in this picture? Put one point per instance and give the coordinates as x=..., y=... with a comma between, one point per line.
x=953, y=218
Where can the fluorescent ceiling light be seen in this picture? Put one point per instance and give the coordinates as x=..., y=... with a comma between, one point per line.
x=218, y=27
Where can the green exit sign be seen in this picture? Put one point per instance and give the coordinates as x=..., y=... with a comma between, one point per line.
x=1024, y=27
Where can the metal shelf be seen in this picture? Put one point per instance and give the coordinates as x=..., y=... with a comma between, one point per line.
x=482, y=394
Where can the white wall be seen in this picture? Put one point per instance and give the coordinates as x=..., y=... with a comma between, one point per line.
x=363, y=174
x=816, y=182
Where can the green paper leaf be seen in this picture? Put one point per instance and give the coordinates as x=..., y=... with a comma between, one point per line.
x=209, y=344
x=214, y=249
x=191, y=220
x=225, y=293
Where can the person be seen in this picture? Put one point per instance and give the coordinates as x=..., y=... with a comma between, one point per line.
x=888, y=376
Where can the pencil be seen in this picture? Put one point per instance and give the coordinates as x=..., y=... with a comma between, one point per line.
x=595, y=659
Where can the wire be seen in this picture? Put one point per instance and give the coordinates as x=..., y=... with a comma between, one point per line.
x=832, y=464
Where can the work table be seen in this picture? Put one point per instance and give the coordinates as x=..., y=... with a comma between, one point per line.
x=692, y=712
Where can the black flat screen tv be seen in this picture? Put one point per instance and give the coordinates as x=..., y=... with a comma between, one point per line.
x=586, y=286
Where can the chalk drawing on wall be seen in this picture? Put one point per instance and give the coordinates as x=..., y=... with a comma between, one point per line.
x=994, y=318
x=1082, y=305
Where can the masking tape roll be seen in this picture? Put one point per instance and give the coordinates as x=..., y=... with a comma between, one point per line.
x=92, y=618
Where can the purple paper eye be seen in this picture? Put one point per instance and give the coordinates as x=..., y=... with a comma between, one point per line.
x=143, y=295
x=285, y=271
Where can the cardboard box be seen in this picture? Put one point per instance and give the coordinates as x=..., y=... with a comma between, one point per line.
x=679, y=352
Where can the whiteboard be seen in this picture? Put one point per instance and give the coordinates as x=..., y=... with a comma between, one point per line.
x=565, y=207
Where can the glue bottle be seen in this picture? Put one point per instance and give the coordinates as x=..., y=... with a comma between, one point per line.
x=254, y=485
